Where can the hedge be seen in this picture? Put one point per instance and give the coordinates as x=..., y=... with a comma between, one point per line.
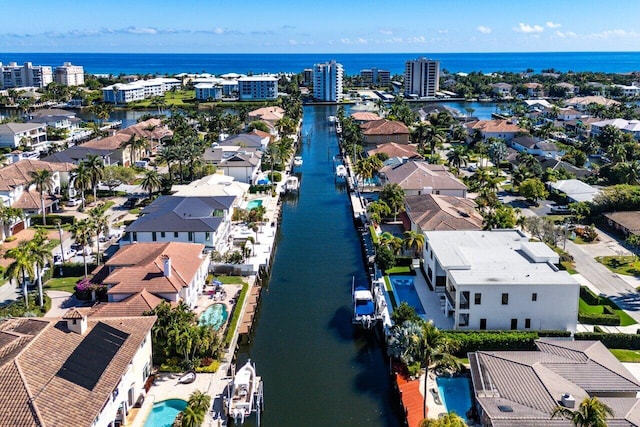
x=470, y=341
x=599, y=319
x=621, y=341
x=64, y=219
x=589, y=297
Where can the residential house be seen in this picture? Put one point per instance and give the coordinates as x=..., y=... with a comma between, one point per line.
x=381, y=131
x=392, y=149
x=500, y=280
x=502, y=90
x=630, y=91
x=566, y=114
x=523, y=388
x=568, y=88
x=269, y=114
x=428, y=212
x=556, y=164
x=534, y=90
x=173, y=271
x=241, y=164
x=502, y=129
x=574, y=190
x=252, y=141
x=135, y=305
x=77, y=153
x=17, y=190
x=203, y=220
x=265, y=137
x=361, y=117
x=73, y=371
x=213, y=185
x=417, y=178
x=32, y=136
x=631, y=127
x=59, y=119
x=153, y=131
x=581, y=103
x=113, y=147
x=536, y=104
x=626, y=222
x=534, y=146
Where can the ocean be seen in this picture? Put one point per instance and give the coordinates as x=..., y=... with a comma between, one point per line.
x=217, y=63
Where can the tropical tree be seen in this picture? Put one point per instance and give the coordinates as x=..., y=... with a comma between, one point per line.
x=135, y=145
x=95, y=165
x=41, y=256
x=592, y=412
x=448, y=420
x=82, y=179
x=633, y=241
x=533, y=190
x=43, y=180
x=99, y=225
x=378, y=210
x=497, y=151
x=82, y=232
x=151, y=182
x=413, y=240
x=199, y=402
x=393, y=196
x=8, y=217
x=458, y=156
x=21, y=268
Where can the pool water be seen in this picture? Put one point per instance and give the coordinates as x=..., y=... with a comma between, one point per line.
x=164, y=413
x=456, y=394
x=254, y=204
x=404, y=290
x=215, y=315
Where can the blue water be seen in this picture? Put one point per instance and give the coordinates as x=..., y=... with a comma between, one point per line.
x=404, y=290
x=456, y=394
x=164, y=413
x=218, y=63
x=215, y=315
x=254, y=204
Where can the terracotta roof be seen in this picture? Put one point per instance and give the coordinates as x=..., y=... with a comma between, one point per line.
x=365, y=116
x=260, y=133
x=135, y=305
x=148, y=129
x=393, y=149
x=30, y=200
x=108, y=143
x=74, y=313
x=36, y=351
x=438, y=212
x=384, y=127
x=531, y=383
x=18, y=173
x=627, y=219
x=271, y=114
x=415, y=175
x=139, y=266
x=494, y=126
x=586, y=100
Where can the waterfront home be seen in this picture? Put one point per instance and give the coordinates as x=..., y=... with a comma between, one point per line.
x=17, y=190
x=523, y=388
x=173, y=271
x=205, y=220
x=631, y=127
x=113, y=148
x=626, y=222
x=361, y=117
x=245, y=140
x=567, y=88
x=574, y=190
x=534, y=90
x=32, y=136
x=502, y=129
x=239, y=163
x=502, y=90
x=265, y=137
x=534, y=146
x=581, y=103
x=213, y=185
x=499, y=280
x=135, y=305
x=392, y=149
x=555, y=164
x=73, y=371
x=417, y=178
x=380, y=131
x=60, y=120
x=428, y=212
x=153, y=131
x=269, y=114
x=536, y=104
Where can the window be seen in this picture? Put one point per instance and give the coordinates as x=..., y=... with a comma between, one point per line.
x=175, y=234
x=527, y=323
x=514, y=323
x=191, y=236
x=162, y=234
x=477, y=299
x=135, y=236
x=207, y=236
x=483, y=324
x=464, y=319
x=505, y=299
x=534, y=297
x=153, y=236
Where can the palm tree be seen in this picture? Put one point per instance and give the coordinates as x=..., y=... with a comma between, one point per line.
x=95, y=165
x=199, y=402
x=43, y=180
x=591, y=413
x=448, y=420
x=99, y=224
x=458, y=156
x=393, y=196
x=40, y=256
x=82, y=232
x=82, y=179
x=413, y=240
x=21, y=268
x=151, y=182
x=135, y=145
x=8, y=217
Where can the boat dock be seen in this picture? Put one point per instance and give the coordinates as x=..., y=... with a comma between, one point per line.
x=246, y=324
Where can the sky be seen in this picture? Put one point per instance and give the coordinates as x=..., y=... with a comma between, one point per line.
x=322, y=26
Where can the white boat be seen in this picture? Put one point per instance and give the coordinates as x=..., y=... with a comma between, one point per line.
x=366, y=310
x=331, y=119
x=341, y=171
x=291, y=184
x=297, y=161
x=244, y=394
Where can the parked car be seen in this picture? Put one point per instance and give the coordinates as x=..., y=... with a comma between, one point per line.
x=131, y=203
x=74, y=202
x=560, y=209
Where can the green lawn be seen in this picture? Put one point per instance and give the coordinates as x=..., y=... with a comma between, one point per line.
x=625, y=319
x=631, y=356
x=62, y=283
x=399, y=270
x=627, y=265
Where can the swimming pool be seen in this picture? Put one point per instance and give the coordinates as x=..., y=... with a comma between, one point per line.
x=404, y=290
x=164, y=413
x=215, y=315
x=254, y=204
x=456, y=394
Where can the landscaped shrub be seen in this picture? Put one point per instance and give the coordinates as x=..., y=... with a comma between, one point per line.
x=64, y=219
x=599, y=319
x=597, y=329
x=621, y=341
x=553, y=333
x=588, y=296
x=403, y=261
x=275, y=177
x=469, y=341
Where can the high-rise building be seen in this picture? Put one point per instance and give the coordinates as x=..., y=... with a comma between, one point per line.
x=421, y=77
x=375, y=77
x=69, y=75
x=327, y=81
x=307, y=77
x=27, y=75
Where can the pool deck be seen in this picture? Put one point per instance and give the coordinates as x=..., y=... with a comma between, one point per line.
x=431, y=303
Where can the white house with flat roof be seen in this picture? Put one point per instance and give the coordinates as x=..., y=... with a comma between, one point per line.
x=257, y=88
x=499, y=280
x=574, y=189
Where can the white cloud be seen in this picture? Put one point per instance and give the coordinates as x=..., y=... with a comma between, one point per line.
x=218, y=30
x=484, y=30
x=551, y=24
x=394, y=40
x=443, y=31
x=564, y=35
x=526, y=28
x=144, y=30
x=300, y=43
x=616, y=33
x=417, y=39
x=386, y=32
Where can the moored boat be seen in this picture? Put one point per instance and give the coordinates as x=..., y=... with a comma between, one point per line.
x=244, y=394
x=341, y=171
x=297, y=161
x=366, y=311
x=291, y=184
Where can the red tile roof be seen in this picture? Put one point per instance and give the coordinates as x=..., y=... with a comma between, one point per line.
x=135, y=305
x=384, y=127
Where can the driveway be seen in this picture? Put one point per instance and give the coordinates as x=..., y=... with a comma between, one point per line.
x=61, y=301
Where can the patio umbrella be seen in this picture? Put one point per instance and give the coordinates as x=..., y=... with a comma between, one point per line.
x=217, y=282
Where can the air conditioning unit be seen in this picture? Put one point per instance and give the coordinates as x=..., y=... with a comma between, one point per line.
x=568, y=401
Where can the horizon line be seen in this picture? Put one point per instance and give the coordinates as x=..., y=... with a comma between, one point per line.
x=322, y=53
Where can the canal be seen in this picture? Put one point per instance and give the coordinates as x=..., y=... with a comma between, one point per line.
x=317, y=369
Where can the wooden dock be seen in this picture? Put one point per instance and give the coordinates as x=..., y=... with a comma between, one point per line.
x=246, y=324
